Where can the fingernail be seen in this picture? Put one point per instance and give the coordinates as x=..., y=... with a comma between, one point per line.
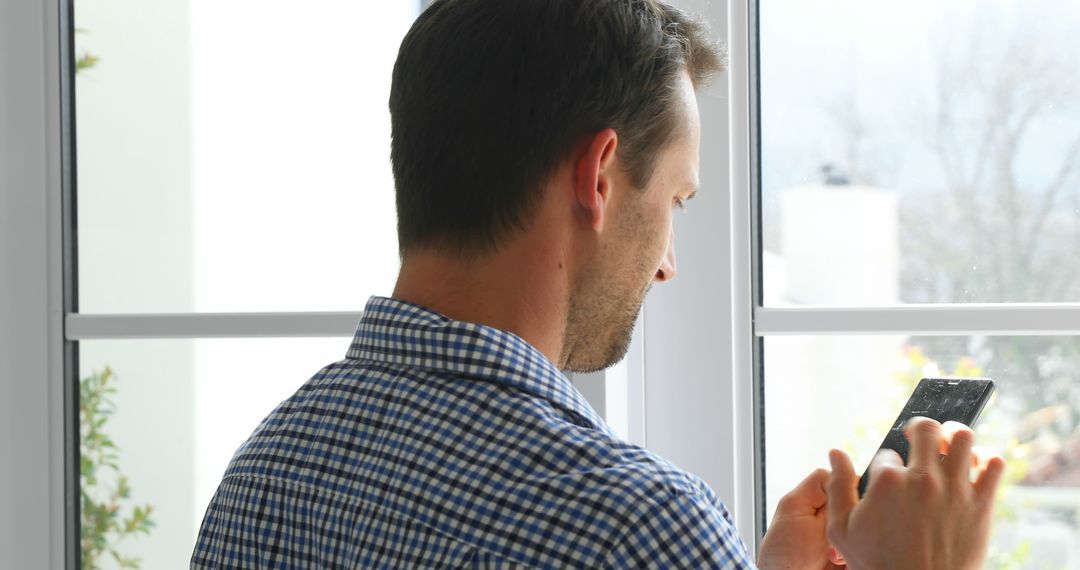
x=832, y=459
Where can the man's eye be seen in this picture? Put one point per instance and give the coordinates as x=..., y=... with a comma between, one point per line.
x=680, y=204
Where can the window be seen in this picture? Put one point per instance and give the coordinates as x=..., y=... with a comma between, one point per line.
x=233, y=158
x=840, y=99
x=234, y=185
x=916, y=214
x=176, y=412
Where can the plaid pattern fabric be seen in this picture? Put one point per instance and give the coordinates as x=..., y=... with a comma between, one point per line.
x=443, y=444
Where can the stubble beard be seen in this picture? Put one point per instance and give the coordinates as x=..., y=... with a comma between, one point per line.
x=599, y=328
x=606, y=300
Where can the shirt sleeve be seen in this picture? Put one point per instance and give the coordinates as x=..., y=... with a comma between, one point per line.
x=686, y=531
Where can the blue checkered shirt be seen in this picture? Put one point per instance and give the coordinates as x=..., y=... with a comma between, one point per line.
x=444, y=444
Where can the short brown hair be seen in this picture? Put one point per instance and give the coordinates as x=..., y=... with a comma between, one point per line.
x=490, y=96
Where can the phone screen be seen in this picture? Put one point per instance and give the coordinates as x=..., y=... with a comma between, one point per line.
x=942, y=399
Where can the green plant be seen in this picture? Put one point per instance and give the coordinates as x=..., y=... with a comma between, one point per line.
x=104, y=490
x=87, y=59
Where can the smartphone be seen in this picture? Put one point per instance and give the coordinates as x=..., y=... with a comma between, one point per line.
x=942, y=399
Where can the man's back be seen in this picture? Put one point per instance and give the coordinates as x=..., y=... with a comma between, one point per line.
x=443, y=444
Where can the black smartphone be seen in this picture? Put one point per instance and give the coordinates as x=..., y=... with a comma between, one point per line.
x=942, y=399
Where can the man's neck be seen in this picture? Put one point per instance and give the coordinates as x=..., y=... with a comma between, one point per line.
x=522, y=288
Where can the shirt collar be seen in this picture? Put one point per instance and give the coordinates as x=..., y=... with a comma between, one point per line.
x=405, y=334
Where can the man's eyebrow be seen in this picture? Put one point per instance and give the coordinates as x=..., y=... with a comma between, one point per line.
x=692, y=194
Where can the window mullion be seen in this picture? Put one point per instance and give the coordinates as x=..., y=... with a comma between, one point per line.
x=211, y=325
x=937, y=320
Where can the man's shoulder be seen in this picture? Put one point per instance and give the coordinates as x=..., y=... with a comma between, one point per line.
x=477, y=462
x=522, y=439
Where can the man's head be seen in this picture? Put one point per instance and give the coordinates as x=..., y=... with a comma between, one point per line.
x=493, y=99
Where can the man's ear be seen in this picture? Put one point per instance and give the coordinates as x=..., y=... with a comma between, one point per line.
x=592, y=183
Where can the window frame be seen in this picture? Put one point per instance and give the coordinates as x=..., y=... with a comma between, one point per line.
x=744, y=155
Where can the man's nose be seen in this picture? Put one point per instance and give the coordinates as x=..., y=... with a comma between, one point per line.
x=667, y=264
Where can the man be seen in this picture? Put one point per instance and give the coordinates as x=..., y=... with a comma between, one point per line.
x=539, y=148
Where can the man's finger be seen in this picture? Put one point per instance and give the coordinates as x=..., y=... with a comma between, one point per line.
x=843, y=495
x=807, y=498
x=835, y=557
x=978, y=462
x=987, y=482
x=884, y=469
x=813, y=490
x=925, y=436
x=885, y=459
x=957, y=462
x=980, y=454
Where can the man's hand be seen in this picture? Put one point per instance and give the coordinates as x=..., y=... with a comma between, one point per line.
x=926, y=515
x=796, y=537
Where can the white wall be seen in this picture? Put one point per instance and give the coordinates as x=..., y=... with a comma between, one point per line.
x=31, y=403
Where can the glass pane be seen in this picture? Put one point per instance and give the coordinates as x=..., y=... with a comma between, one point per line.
x=923, y=152
x=845, y=391
x=234, y=156
x=168, y=414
